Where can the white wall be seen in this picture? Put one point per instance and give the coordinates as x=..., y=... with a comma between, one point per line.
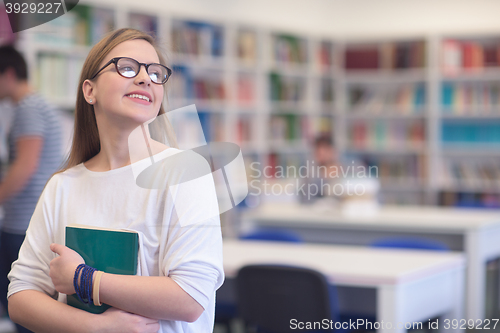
x=339, y=18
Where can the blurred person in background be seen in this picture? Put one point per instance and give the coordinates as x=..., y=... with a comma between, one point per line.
x=333, y=180
x=5, y=120
x=320, y=170
x=34, y=144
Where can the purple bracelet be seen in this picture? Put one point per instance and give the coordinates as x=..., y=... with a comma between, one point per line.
x=75, y=281
x=84, y=289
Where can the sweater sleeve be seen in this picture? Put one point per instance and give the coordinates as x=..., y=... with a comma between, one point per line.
x=31, y=269
x=192, y=256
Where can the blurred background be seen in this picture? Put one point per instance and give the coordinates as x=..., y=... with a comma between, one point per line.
x=409, y=90
x=409, y=87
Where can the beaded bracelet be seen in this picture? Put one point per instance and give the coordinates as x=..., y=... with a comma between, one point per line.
x=84, y=289
x=75, y=281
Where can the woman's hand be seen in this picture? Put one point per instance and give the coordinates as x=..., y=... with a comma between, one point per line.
x=62, y=268
x=119, y=321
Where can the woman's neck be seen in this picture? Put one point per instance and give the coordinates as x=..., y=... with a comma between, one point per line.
x=114, y=152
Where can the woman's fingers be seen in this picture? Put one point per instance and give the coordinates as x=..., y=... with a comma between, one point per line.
x=154, y=327
x=121, y=322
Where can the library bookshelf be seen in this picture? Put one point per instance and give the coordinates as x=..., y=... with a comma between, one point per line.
x=425, y=111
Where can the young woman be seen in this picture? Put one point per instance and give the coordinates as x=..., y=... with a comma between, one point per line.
x=180, y=257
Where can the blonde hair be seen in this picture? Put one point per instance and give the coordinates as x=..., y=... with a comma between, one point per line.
x=86, y=143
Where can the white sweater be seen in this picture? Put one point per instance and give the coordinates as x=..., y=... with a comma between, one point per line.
x=176, y=238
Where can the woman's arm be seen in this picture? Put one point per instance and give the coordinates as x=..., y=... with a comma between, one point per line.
x=152, y=296
x=48, y=315
x=156, y=297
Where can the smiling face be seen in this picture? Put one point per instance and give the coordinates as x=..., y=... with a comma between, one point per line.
x=126, y=100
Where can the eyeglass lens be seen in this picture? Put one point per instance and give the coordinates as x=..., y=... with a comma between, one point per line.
x=130, y=68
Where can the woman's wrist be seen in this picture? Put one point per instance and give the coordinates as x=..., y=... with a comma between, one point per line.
x=97, y=324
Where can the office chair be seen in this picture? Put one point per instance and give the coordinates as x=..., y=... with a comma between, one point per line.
x=270, y=296
x=225, y=312
x=418, y=243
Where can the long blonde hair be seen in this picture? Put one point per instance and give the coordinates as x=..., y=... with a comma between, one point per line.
x=86, y=143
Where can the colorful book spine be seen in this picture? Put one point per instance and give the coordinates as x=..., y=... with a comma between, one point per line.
x=290, y=49
x=286, y=88
x=198, y=39
x=407, y=99
x=468, y=55
x=478, y=98
x=392, y=56
x=387, y=134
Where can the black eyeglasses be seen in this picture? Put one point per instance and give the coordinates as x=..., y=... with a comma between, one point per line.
x=129, y=68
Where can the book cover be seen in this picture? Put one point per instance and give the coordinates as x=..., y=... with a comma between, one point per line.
x=109, y=250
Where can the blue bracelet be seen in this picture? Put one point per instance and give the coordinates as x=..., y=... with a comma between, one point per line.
x=87, y=283
x=84, y=289
x=83, y=284
x=75, y=281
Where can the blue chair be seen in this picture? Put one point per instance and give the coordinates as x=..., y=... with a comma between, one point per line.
x=277, y=235
x=418, y=243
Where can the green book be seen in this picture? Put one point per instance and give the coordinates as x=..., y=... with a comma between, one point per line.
x=110, y=250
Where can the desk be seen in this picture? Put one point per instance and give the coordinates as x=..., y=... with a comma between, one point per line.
x=475, y=232
x=411, y=286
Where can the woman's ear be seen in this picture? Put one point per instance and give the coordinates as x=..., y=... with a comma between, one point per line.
x=88, y=91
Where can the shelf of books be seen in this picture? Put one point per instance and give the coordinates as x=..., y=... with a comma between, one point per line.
x=56, y=50
x=407, y=106
x=385, y=110
x=470, y=121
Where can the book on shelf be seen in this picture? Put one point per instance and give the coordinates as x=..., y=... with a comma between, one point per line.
x=247, y=47
x=144, y=22
x=57, y=76
x=197, y=39
x=289, y=128
x=409, y=55
x=366, y=57
x=393, y=56
x=109, y=250
x=83, y=25
x=212, y=125
x=326, y=90
x=286, y=88
x=325, y=56
x=278, y=163
x=103, y=21
x=380, y=134
x=477, y=98
x=470, y=199
x=289, y=49
x=204, y=88
x=199, y=86
x=244, y=128
x=481, y=174
x=462, y=55
x=246, y=89
x=322, y=125
x=82, y=31
x=473, y=133
x=397, y=170
x=404, y=99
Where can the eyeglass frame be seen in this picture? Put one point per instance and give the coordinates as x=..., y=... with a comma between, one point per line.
x=146, y=66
